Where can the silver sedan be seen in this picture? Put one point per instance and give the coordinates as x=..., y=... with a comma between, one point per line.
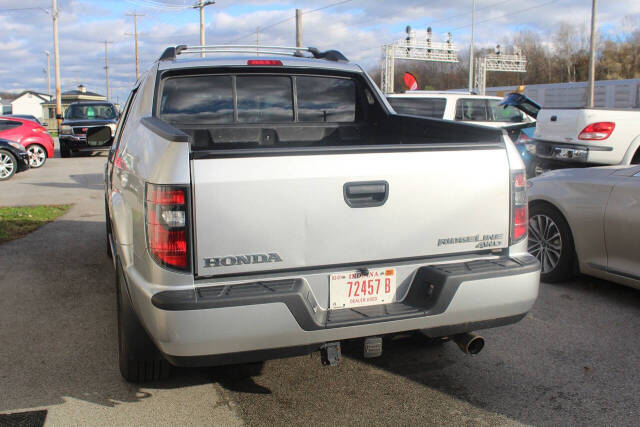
x=587, y=221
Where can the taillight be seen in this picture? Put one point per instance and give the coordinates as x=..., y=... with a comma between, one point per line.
x=166, y=211
x=597, y=131
x=522, y=138
x=40, y=129
x=519, y=209
x=267, y=62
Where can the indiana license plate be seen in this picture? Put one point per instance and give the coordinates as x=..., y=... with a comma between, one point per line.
x=354, y=289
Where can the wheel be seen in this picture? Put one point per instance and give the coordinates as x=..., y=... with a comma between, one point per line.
x=8, y=165
x=64, y=150
x=37, y=155
x=550, y=241
x=139, y=359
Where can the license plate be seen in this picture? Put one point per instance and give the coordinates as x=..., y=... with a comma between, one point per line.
x=354, y=289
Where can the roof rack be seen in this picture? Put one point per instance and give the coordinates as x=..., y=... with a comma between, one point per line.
x=171, y=53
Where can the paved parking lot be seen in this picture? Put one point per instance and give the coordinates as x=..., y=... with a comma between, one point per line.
x=573, y=360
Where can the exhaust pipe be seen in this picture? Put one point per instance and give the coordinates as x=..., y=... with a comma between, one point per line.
x=469, y=343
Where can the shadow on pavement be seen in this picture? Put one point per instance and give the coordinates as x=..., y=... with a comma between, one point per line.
x=91, y=181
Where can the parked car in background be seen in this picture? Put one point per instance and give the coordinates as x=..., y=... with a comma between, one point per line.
x=13, y=159
x=246, y=226
x=458, y=106
x=580, y=137
x=587, y=220
x=32, y=136
x=24, y=116
x=79, y=118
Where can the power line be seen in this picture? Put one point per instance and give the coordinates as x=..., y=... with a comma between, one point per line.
x=288, y=19
x=22, y=9
x=505, y=15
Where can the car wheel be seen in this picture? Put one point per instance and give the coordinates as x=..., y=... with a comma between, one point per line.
x=8, y=165
x=139, y=359
x=551, y=242
x=64, y=150
x=37, y=155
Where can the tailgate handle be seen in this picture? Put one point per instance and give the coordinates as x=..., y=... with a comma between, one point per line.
x=366, y=194
x=554, y=118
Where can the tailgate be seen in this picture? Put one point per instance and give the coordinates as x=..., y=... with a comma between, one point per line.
x=559, y=125
x=291, y=212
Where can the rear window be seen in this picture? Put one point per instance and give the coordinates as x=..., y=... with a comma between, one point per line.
x=424, y=107
x=472, y=110
x=486, y=110
x=326, y=99
x=502, y=113
x=264, y=99
x=207, y=98
x=258, y=98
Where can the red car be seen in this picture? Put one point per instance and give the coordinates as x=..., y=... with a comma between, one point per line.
x=31, y=135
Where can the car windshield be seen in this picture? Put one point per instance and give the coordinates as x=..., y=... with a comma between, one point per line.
x=90, y=112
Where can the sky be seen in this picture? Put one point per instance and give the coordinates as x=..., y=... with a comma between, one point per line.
x=356, y=27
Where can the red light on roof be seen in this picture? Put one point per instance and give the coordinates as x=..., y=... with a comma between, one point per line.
x=268, y=62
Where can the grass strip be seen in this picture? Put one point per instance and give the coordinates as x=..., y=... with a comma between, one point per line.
x=18, y=221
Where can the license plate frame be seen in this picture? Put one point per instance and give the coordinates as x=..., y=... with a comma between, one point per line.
x=345, y=288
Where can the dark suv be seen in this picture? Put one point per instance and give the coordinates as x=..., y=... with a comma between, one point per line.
x=79, y=118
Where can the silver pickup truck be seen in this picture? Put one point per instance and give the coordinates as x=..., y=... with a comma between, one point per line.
x=266, y=204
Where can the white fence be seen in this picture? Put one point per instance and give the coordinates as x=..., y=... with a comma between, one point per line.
x=608, y=94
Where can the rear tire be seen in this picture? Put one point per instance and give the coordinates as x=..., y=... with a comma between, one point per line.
x=139, y=358
x=8, y=165
x=37, y=155
x=551, y=242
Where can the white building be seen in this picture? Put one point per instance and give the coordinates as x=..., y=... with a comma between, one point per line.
x=29, y=102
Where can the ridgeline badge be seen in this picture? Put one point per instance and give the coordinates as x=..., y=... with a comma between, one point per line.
x=484, y=241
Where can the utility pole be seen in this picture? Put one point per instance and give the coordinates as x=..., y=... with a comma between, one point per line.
x=46, y=52
x=473, y=22
x=298, y=28
x=56, y=54
x=201, y=5
x=258, y=41
x=592, y=56
x=106, y=64
x=135, y=35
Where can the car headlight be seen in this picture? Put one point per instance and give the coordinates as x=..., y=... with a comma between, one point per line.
x=16, y=145
x=66, y=130
x=113, y=127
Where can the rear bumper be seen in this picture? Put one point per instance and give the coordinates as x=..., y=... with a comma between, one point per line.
x=212, y=324
x=568, y=153
x=23, y=161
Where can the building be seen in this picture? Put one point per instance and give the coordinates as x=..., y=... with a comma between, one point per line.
x=29, y=102
x=76, y=95
x=5, y=102
x=607, y=94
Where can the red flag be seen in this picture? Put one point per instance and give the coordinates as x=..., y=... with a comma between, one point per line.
x=410, y=81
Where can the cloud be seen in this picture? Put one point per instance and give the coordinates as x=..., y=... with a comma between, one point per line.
x=357, y=28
